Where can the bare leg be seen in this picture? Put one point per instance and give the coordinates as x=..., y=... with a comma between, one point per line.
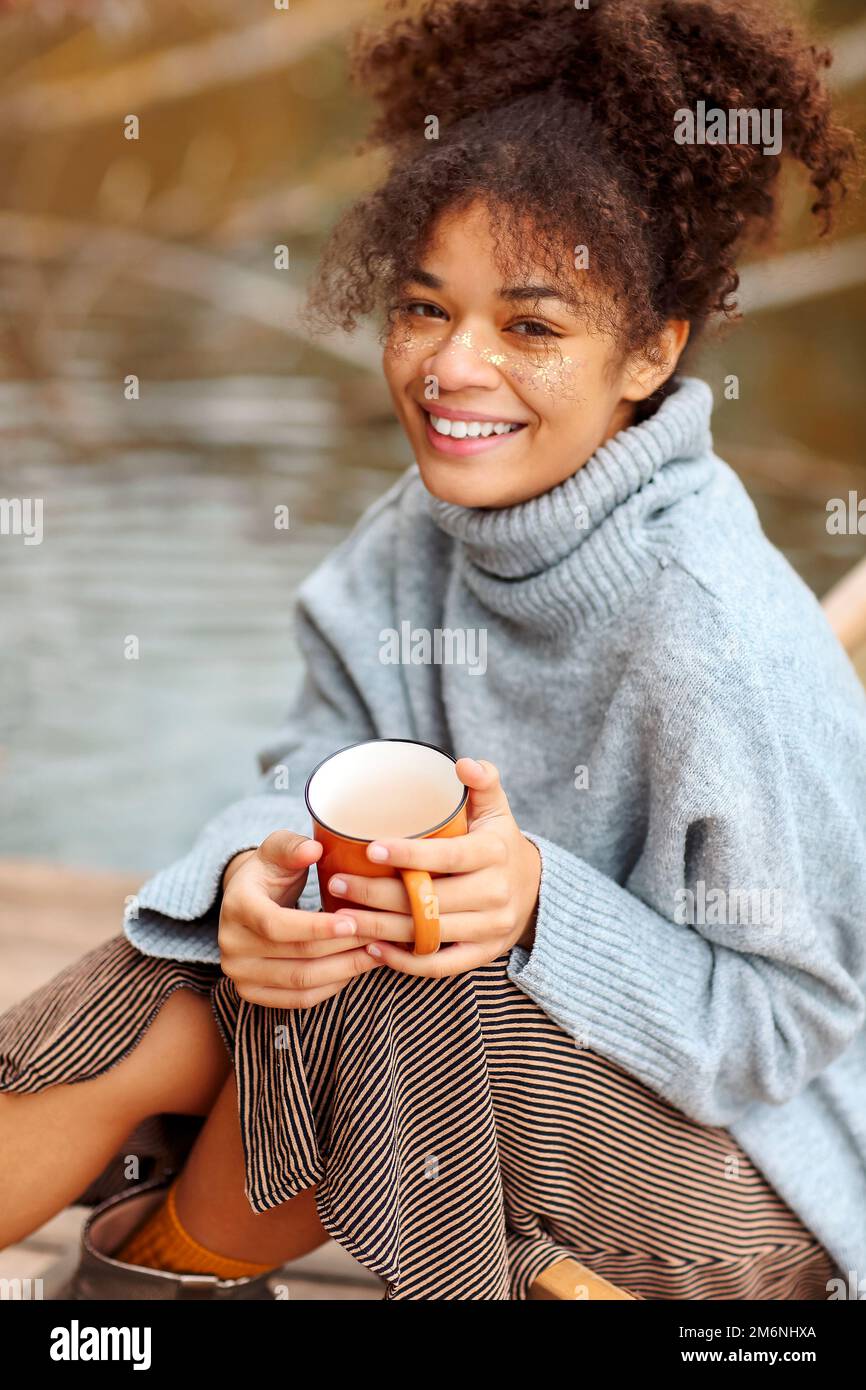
x=53, y=1143
x=213, y=1209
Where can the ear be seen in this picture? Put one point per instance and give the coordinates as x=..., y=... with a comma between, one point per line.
x=645, y=377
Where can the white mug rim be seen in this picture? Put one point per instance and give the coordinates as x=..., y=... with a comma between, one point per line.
x=365, y=839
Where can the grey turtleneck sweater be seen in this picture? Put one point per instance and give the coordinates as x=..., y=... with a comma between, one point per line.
x=678, y=731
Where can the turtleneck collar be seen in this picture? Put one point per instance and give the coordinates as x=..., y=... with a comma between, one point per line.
x=580, y=549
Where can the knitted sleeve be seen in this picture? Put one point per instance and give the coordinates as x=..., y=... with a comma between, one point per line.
x=730, y=965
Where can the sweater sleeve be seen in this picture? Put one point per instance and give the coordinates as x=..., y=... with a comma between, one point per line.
x=175, y=913
x=725, y=970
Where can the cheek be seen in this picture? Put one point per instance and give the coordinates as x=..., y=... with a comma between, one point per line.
x=407, y=346
x=399, y=371
x=403, y=362
x=549, y=374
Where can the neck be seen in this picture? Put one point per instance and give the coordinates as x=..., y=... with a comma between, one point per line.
x=623, y=417
x=574, y=554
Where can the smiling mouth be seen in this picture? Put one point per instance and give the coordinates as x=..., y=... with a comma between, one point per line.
x=463, y=434
x=470, y=429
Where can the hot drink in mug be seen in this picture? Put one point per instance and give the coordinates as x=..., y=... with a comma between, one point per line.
x=395, y=787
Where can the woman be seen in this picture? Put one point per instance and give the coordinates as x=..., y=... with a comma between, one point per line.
x=642, y=1042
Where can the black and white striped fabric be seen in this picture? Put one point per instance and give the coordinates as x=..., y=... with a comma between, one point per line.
x=460, y=1141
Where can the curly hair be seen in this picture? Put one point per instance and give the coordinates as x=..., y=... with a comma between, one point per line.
x=561, y=121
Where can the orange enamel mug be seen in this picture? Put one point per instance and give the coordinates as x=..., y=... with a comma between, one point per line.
x=385, y=788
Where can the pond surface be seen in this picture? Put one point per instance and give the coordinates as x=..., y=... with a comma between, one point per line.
x=116, y=762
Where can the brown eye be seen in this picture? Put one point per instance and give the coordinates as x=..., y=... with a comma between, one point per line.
x=418, y=308
x=534, y=329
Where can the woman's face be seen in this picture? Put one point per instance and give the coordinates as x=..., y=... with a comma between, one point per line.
x=500, y=388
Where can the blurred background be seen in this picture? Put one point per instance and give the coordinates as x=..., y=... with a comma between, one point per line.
x=154, y=257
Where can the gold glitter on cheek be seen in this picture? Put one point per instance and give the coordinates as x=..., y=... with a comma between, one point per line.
x=496, y=359
x=403, y=340
x=542, y=369
x=555, y=376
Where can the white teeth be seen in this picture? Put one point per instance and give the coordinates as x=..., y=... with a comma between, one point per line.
x=470, y=429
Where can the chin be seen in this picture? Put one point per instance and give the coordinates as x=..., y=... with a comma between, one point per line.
x=458, y=484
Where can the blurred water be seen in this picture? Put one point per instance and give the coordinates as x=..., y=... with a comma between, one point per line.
x=110, y=761
x=159, y=524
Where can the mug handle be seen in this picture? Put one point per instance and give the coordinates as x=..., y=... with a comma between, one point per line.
x=425, y=910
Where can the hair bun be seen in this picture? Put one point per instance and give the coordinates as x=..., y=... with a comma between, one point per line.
x=636, y=63
x=572, y=119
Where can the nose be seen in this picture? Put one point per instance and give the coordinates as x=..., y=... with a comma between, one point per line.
x=461, y=361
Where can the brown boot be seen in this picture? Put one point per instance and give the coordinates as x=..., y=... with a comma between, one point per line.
x=100, y=1276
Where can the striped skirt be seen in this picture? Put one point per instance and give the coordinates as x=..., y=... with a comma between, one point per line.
x=460, y=1141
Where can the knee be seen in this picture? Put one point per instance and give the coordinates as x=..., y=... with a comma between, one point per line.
x=181, y=1062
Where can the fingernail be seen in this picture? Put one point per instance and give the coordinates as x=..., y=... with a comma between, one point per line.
x=476, y=766
x=374, y=950
x=338, y=885
x=378, y=853
x=345, y=926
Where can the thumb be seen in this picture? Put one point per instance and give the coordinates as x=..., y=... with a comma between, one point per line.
x=486, y=796
x=289, y=853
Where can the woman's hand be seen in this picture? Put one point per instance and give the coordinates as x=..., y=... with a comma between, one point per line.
x=487, y=902
x=277, y=955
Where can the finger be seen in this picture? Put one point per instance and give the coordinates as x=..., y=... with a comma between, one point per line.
x=243, y=945
x=451, y=960
x=454, y=926
x=383, y=894
x=289, y=852
x=285, y=924
x=454, y=893
x=305, y=950
x=237, y=941
x=289, y=998
x=384, y=926
x=486, y=795
x=455, y=854
x=299, y=975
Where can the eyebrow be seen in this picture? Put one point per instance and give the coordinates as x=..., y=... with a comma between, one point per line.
x=530, y=292
x=520, y=293
x=417, y=276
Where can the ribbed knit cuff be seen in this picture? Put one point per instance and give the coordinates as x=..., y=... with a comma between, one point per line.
x=175, y=914
x=596, y=965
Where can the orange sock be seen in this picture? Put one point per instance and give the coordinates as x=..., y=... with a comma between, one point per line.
x=162, y=1243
